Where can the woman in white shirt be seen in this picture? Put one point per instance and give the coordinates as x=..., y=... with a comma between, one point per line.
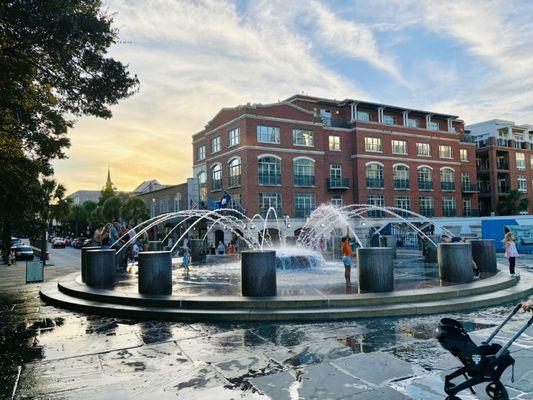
x=510, y=251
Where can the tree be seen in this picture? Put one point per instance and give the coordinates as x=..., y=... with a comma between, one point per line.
x=111, y=209
x=512, y=203
x=96, y=218
x=78, y=220
x=134, y=210
x=54, y=62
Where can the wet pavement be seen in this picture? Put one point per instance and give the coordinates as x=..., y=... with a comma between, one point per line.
x=49, y=353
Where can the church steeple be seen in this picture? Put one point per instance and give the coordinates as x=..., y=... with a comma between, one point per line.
x=108, y=183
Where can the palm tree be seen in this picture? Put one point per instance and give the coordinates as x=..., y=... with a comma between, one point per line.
x=512, y=203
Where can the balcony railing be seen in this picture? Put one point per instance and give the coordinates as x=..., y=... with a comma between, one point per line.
x=338, y=183
x=374, y=183
x=502, y=165
x=427, y=211
x=216, y=185
x=335, y=122
x=269, y=179
x=234, y=181
x=401, y=183
x=468, y=187
x=263, y=211
x=304, y=180
x=470, y=213
x=375, y=214
x=449, y=212
x=303, y=212
x=447, y=185
x=425, y=185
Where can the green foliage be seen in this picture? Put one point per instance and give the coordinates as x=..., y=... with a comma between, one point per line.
x=512, y=203
x=96, y=218
x=134, y=210
x=106, y=193
x=54, y=62
x=111, y=209
x=89, y=206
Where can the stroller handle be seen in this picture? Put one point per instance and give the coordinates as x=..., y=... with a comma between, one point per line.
x=493, y=334
x=516, y=335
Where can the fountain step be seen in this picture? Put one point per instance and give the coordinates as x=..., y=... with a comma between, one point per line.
x=51, y=293
x=71, y=285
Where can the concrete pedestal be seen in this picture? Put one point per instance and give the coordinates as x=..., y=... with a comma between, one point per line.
x=258, y=273
x=84, y=260
x=155, y=245
x=484, y=255
x=389, y=241
x=455, y=262
x=429, y=251
x=100, y=268
x=198, y=254
x=155, y=272
x=375, y=269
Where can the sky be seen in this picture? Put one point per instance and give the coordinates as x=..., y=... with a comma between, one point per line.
x=468, y=58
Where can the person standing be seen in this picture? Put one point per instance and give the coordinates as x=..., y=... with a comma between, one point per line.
x=186, y=258
x=231, y=248
x=221, y=249
x=347, y=256
x=510, y=252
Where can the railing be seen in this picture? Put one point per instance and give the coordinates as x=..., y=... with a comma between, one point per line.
x=234, y=181
x=303, y=212
x=304, y=180
x=425, y=185
x=375, y=214
x=216, y=185
x=401, y=183
x=338, y=183
x=502, y=165
x=427, y=211
x=468, y=188
x=374, y=183
x=263, y=212
x=470, y=213
x=269, y=179
x=449, y=212
x=335, y=122
x=447, y=185
x=503, y=143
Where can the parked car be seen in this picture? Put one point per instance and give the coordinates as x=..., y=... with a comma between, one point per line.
x=58, y=242
x=23, y=252
x=87, y=242
x=78, y=242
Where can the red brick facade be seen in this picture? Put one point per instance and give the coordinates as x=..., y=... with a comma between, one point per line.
x=300, y=112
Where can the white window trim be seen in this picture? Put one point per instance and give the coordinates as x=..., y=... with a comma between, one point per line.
x=374, y=151
x=374, y=162
x=268, y=155
x=424, y=166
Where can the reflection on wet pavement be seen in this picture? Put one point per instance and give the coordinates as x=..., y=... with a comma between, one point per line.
x=50, y=353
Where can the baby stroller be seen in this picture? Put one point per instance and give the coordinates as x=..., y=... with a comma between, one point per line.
x=484, y=363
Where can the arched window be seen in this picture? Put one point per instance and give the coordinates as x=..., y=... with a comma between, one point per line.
x=425, y=178
x=400, y=173
x=304, y=172
x=269, y=172
x=202, y=188
x=447, y=179
x=234, y=167
x=216, y=177
x=374, y=176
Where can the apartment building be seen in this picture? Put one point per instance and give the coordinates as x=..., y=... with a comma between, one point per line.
x=304, y=151
x=504, y=157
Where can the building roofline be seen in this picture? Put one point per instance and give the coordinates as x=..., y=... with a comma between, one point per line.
x=160, y=189
x=374, y=104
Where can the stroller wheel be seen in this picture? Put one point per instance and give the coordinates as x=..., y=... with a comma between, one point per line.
x=497, y=391
x=452, y=397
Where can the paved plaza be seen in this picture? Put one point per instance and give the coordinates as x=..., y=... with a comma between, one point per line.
x=50, y=353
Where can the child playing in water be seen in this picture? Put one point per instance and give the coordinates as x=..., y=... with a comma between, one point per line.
x=186, y=258
x=347, y=256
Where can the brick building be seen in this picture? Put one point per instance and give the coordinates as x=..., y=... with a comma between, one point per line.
x=165, y=198
x=504, y=153
x=304, y=151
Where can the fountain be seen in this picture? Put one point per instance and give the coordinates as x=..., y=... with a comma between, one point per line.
x=287, y=275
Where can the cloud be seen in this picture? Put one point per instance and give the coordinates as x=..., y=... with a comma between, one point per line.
x=192, y=58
